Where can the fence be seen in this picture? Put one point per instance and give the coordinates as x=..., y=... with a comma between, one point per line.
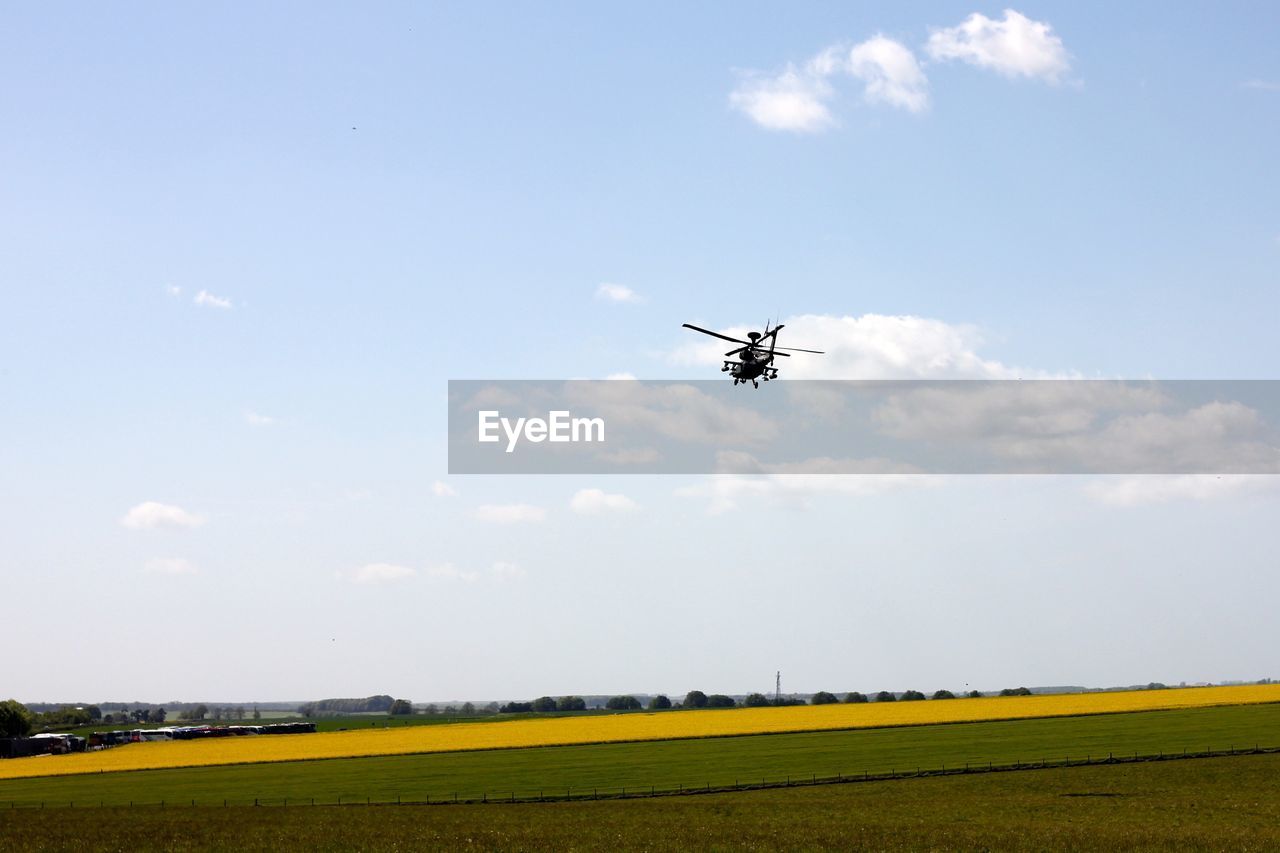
x=627, y=792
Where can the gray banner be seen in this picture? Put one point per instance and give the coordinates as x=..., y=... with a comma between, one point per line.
x=864, y=427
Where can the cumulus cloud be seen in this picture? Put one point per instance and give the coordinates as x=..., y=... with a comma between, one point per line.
x=510, y=513
x=790, y=100
x=797, y=98
x=500, y=571
x=891, y=73
x=170, y=566
x=683, y=413
x=505, y=571
x=617, y=293
x=1015, y=46
x=150, y=515
x=1160, y=489
x=795, y=485
x=378, y=573
x=205, y=299
x=442, y=489
x=596, y=502
x=449, y=572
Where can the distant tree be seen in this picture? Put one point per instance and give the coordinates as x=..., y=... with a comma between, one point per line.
x=468, y=710
x=855, y=698
x=516, y=708
x=216, y=712
x=94, y=712
x=1156, y=685
x=1015, y=691
x=431, y=710
x=756, y=700
x=199, y=712
x=492, y=707
x=719, y=700
x=886, y=696
x=623, y=703
x=944, y=694
x=544, y=703
x=659, y=703
x=400, y=708
x=158, y=715
x=822, y=697
x=912, y=696
x=571, y=703
x=974, y=694
x=141, y=715
x=695, y=699
x=239, y=712
x=307, y=710
x=257, y=715
x=15, y=719
x=450, y=711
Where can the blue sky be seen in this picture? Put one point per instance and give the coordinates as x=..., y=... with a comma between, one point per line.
x=375, y=201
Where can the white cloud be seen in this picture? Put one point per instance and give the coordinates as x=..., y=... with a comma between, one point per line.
x=793, y=488
x=258, y=420
x=791, y=100
x=624, y=377
x=170, y=566
x=681, y=412
x=1015, y=47
x=796, y=98
x=1262, y=85
x=631, y=456
x=617, y=293
x=150, y=515
x=205, y=299
x=500, y=571
x=1166, y=488
x=891, y=74
x=505, y=571
x=510, y=513
x=173, y=290
x=596, y=501
x=378, y=573
x=442, y=489
x=449, y=572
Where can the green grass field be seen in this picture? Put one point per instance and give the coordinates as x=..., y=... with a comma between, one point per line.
x=1204, y=804
x=665, y=764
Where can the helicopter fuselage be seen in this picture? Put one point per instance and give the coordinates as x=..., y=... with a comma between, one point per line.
x=750, y=365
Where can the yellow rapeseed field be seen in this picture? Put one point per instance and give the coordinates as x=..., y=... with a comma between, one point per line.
x=663, y=725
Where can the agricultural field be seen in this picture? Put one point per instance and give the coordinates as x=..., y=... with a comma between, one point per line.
x=672, y=764
x=1206, y=804
x=623, y=728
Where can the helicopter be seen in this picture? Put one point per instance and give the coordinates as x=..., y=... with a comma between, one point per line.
x=755, y=362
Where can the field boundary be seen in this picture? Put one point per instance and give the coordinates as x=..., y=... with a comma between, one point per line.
x=477, y=749
x=629, y=792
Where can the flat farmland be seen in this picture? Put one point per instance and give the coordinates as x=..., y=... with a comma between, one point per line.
x=716, y=762
x=620, y=728
x=1205, y=804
